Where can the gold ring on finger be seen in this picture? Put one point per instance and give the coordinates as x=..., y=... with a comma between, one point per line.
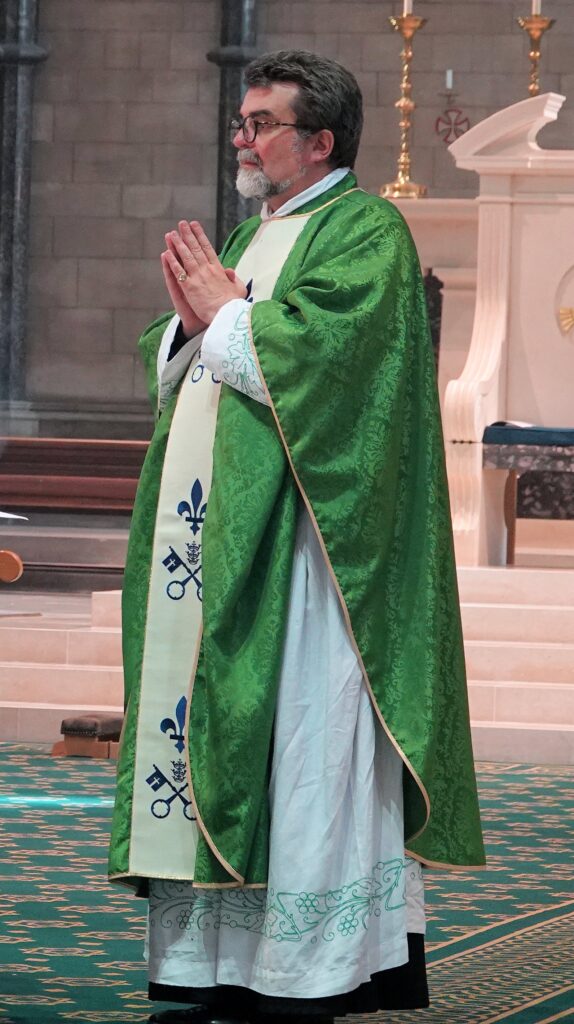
x=182, y=276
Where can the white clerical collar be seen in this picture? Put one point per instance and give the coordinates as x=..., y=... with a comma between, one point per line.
x=305, y=197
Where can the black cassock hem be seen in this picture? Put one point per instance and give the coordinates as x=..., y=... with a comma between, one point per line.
x=399, y=988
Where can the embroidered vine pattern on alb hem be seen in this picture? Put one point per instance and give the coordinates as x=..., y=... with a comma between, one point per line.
x=279, y=915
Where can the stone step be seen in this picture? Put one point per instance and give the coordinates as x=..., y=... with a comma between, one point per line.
x=517, y=742
x=107, y=608
x=40, y=722
x=532, y=622
x=17, y=606
x=478, y=586
x=68, y=558
x=69, y=578
x=62, y=544
x=545, y=542
x=74, y=642
x=510, y=660
x=528, y=702
x=68, y=644
x=55, y=684
x=516, y=585
x=518, y=625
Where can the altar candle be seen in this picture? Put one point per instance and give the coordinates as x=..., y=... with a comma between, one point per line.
x=407, y=7
x=449, y=79
x=537, y=6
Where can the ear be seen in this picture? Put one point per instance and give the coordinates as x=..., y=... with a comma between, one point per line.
x=323, y=143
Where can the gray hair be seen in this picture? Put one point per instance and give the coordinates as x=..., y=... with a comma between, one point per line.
x=329, y=97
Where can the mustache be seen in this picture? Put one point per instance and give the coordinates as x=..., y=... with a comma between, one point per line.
x=248, y=156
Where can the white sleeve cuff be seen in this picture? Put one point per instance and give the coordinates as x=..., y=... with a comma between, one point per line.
x=226, y=350
x=214, y=344
x=170, y=371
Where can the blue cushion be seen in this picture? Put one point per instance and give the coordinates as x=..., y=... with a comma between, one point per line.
x=509, y=433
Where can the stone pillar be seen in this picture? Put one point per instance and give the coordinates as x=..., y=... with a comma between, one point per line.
x=18, y=55
x=236, y=50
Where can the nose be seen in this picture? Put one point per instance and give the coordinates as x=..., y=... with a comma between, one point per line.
x=238, y=140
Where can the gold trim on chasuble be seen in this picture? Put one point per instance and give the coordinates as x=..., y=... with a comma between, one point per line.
x=345, y=610
x=164, y=815
x=347, y=619
x=293, y=216
x=342, y=601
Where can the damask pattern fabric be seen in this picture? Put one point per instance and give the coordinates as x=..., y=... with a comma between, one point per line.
x=344, y=353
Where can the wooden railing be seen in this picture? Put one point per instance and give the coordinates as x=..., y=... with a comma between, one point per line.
x=57, y=474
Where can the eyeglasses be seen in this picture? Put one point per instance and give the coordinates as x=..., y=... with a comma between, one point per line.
x=250, y=126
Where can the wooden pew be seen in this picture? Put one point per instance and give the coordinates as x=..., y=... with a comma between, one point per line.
x=39, y=474
x=60, y=474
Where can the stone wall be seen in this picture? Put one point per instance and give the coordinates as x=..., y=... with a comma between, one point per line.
x=125, y=144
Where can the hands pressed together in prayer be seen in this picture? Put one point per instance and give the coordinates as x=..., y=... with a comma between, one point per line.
x=196, y=281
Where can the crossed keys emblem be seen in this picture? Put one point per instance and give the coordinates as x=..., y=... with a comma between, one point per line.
x=173, y=563
x=161, y=807
x=175, y=731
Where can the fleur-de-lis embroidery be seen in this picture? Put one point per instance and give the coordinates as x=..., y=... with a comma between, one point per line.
x=168, y=723
x=193, y=514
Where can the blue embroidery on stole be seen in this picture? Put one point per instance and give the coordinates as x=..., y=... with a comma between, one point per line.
x=158, y=780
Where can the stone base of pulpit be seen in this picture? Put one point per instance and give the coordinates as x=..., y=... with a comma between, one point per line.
x=445, y=232
x=478, y=519
x=520, y=362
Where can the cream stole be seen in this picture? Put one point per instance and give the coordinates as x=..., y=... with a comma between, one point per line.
x=164, y=831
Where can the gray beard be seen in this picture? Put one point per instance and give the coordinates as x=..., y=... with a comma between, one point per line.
x=256, y=185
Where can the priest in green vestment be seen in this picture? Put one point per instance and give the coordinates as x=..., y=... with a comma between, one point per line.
x=297, y=742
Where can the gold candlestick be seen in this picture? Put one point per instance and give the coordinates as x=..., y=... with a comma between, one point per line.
x=402, y=187
x=536, y=25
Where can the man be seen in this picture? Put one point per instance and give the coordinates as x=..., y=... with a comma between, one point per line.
x=297, y=740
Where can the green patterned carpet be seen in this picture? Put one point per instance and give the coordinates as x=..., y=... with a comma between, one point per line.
x=499, y=941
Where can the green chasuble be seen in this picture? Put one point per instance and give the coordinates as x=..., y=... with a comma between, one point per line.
x=353, y=432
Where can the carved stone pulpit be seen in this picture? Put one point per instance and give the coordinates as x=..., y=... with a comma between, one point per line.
x=520, y=363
